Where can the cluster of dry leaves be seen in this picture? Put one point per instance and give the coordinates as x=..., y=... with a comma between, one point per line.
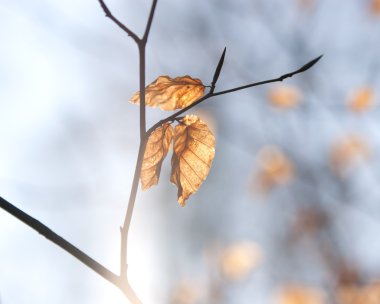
x=193, y=142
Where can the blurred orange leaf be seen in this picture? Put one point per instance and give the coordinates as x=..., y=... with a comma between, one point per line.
x=194, y=150
x=371, y=293
x=239, y=259
x=284, y=96
x=171, y=93
x=349, y=295
x=186, y=292
x=355, y=294
x=275, y=168
x=347, y=151
x=375, y=6
x=362, y=100
x=298, y=294
x=156, y=150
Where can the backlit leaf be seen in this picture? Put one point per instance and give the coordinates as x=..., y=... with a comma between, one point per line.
x=156, y=150
x=192, y=156
x=171, y=93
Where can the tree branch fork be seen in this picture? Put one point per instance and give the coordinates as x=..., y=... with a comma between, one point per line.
x=120, y=280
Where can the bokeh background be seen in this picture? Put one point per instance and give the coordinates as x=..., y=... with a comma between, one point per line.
x=289, y=213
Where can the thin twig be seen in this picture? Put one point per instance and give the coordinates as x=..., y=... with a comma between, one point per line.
x=124, y=230
x=59, y=241
x=128, y=216
x=212, y=94
x=121, y=25
x=150, y=20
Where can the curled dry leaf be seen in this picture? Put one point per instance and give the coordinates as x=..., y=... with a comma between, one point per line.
x=156, y=150
x=194, y=150
x=171, y=93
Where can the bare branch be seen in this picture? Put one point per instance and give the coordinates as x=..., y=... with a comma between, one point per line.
x=212, y=94
x=59, y=241
x=121, y=25
x=281, y=78
x=149, y=23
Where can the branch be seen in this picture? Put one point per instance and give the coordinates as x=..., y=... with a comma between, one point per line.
x=59, y=241
x=124, y=230
x=212, y=94
x=149, y=23
x=281, y=78
x=121, y=25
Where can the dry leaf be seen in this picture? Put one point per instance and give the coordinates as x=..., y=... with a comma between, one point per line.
x=348, y=151
x=156, y=150
x=187, y=292
x=298, y=294
x=171, y=93
x=285, y=96
x=371, y=293
x=238, y=260
x=362, y=100
x=348, y=295
x=306, y=4
x=192, y=156
x=375, y=7
x=275, y=168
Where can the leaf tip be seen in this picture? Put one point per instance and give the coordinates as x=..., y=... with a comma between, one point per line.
x=182, y=202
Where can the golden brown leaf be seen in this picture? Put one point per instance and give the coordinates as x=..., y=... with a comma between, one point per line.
x=194, y=150
x=156, y=150
x=362, y=100
x=171, y=93
x=284, y=96
x=298, y=294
